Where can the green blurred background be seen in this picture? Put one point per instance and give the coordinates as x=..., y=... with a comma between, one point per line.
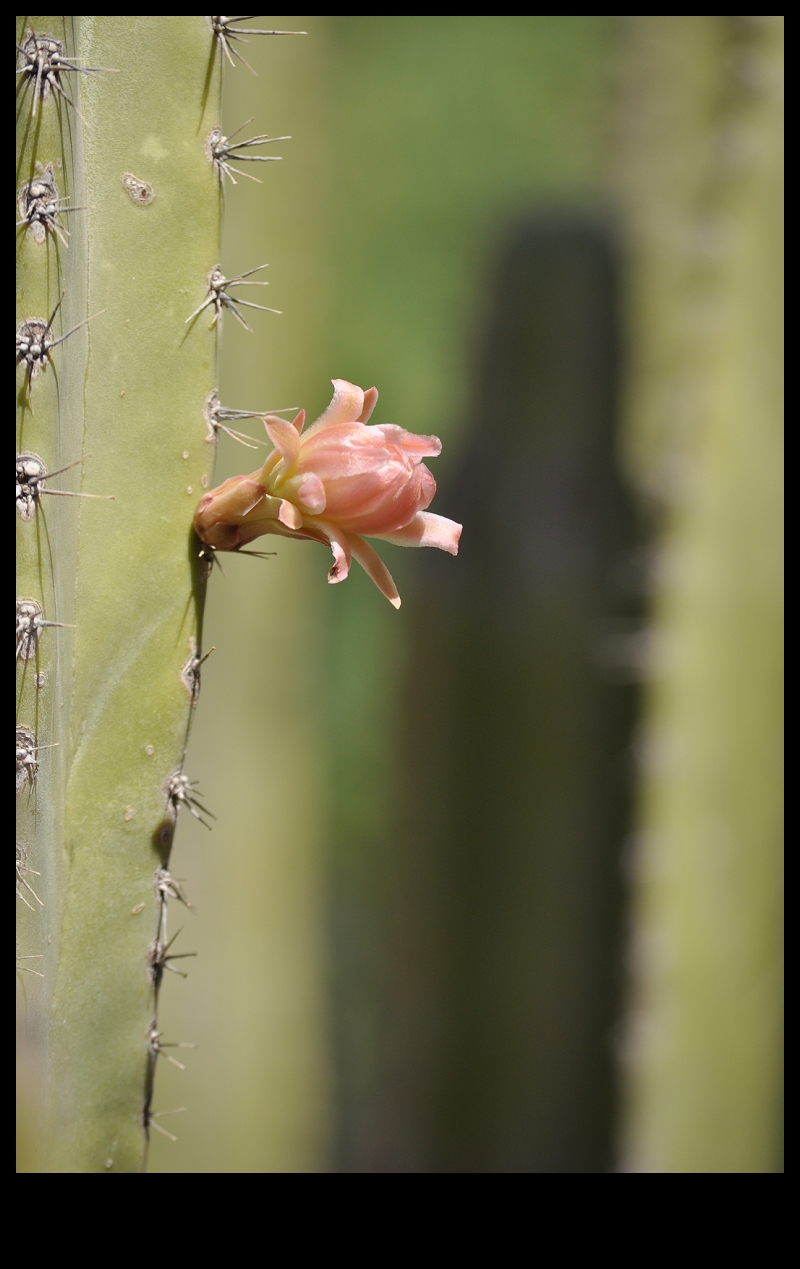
x=495, y=880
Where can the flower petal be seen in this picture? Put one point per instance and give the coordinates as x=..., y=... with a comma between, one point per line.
x=228, y=503
x=221, y=512
x=347, y=404
x=340, y=546
x=370, y=401
x=426, y=529
x=284, y=437
x=269, y=466
x=298, y=421
x=375, y=568
x=311, y=494
x=271, y=515
x=289, y=515
x=371, y=484
x=416, y=447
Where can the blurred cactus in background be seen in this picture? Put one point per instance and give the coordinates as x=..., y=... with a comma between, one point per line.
x=480, y=741
x=520, y=693
x=699, y=170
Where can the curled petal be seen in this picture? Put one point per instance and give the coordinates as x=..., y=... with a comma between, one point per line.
x=426, y=529
x=340, y=546
x=375, y=568
x=370, y=401
x=289, y=515
x=284, y=437
x=269, y=466
x=270, y=508
x=416, y=447
x=298, y=421
x=346, y=406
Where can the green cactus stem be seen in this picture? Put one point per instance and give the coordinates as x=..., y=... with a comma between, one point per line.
x=119, y=212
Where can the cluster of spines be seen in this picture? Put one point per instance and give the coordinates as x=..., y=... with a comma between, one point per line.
x=44, y=67
x=160, y=959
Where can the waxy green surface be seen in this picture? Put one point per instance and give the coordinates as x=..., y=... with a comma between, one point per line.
x=126, y=394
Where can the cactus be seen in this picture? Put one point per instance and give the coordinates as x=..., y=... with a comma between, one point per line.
x=120, y=160
x=701, y=182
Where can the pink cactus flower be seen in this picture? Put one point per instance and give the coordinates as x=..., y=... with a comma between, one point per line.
x=335, y=483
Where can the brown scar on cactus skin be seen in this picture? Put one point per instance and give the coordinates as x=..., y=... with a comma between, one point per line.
x=138, y=191
x=226, y=35
x=163, y=837
x=30, y=623
x=39, y=205
x=218, y=297
x=32, y=474
x=221, y=152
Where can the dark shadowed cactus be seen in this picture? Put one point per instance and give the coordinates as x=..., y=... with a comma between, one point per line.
x=120, y=159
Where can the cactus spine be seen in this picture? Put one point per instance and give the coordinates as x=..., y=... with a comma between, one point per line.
x=105, y=701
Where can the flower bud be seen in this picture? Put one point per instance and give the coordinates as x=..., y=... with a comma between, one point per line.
x=338, y=481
